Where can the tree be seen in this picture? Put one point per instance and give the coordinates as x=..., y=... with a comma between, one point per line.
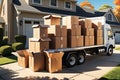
x=105, y=6
x=117, y=9
x=86, y=4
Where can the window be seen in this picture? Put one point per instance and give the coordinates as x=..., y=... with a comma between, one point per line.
x=109, y=17
x=110, y=34
x=67, y=4
x=37, y=1
x=53, y=3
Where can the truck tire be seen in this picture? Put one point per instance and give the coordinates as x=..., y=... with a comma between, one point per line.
x=80, y=59
x=71, y=60
x=110, y=51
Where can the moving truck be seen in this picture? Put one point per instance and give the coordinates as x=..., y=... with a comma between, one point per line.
x=76, y=55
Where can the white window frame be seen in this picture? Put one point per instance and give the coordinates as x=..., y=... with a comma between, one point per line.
x=108, y=17
x=37, y=3
x=70, y=5
x=52, y=5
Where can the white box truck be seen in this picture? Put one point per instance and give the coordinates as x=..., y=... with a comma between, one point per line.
x=73, y=56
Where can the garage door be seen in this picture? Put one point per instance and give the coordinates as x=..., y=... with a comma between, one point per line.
x=117, y=38
x=28, y=30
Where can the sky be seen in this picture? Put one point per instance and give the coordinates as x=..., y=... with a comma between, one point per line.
x=98, y=3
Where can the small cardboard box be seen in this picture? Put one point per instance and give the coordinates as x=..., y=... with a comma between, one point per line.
x=37, y=61
x=63, y=31
x=99, y=41
x=78, y=30
x=80, y=41
x=38, y=45
x=71, y=41
x=23, y=58
x=54, y=62
x=40, y=31
x=88, y=31
x=99, y=25
x=52, y=20
x=99, y=32
x=88, y=23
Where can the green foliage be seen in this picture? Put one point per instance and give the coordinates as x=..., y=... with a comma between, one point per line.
x=5, y=40
x=7, y=60
x=105, y=6
x=18, y=46
x=1, y=35
x=21, y=38
x=5, y=50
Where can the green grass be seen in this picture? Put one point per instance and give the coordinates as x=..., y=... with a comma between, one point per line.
x=112, y=75
x=7, y=60
x=117, y=48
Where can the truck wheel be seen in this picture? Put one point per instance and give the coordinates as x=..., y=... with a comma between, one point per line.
x=80, y=59
x=71, y=60
x=110, y=51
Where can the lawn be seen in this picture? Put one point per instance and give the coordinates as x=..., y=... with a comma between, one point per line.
x=112, y=75
x=117, y=48
x=7, y=60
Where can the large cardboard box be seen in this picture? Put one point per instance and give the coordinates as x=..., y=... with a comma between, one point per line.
x=71, y=41
x=86, y=40
x=37, y=61
x=79, y=41
x=88, y=31
x=38, y=45
x=58, y=42
x=91, y=39
x=70, y=20
x=85, y=23
x=54, y=62
x=52, y=20
x=40, y=31
x=58, y=30
x=99, y=41
x=23, y=58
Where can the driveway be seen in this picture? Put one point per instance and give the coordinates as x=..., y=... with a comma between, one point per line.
x=94, y=68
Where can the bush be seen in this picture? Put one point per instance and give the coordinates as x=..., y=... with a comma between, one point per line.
x=5, y=41
x=1, y=35
x=5, y=50
x=18, y=46
x=21, y=38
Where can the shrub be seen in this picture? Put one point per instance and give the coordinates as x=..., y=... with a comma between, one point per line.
x=5, y=50
x=5, y=41
x=1, y=35
x=21, y=38
x=18, y=46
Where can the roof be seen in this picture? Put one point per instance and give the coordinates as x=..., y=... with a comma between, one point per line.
x=21, y=5
x=113, y=23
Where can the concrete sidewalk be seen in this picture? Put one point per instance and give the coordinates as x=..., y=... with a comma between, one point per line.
x=94, y=68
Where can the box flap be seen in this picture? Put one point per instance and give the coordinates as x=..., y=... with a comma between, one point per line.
x=40, y=26
x=50, y=16
x=20, y=53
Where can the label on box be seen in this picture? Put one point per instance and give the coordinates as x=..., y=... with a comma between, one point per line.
x=61, y=45
x=61, y=38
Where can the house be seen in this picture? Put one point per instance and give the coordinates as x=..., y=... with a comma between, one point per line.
x=17, y=16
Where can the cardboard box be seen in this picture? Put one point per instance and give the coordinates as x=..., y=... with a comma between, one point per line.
x=88, y=31
x=52, y=20
x=23, y=58
x=37, y=61
x=70, y=20
x=99, y=25
x=80, y=40
x=54, y=62
x=87, y=41
x=85, y=23
x=78, y=30
x=99, y=32
x=58, y=42
x=99, y=41
x=91, y=40
x=40, y=31
x=38, y=45
x=57, y=30
x=71, y=41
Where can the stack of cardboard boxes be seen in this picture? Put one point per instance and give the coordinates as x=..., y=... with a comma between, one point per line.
x=74, y=38
x=87, y=31
x=56, y=32
x=98, y=33
x=37, y=45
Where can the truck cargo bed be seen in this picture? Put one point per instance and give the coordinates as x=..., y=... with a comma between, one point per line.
x=73, y=49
